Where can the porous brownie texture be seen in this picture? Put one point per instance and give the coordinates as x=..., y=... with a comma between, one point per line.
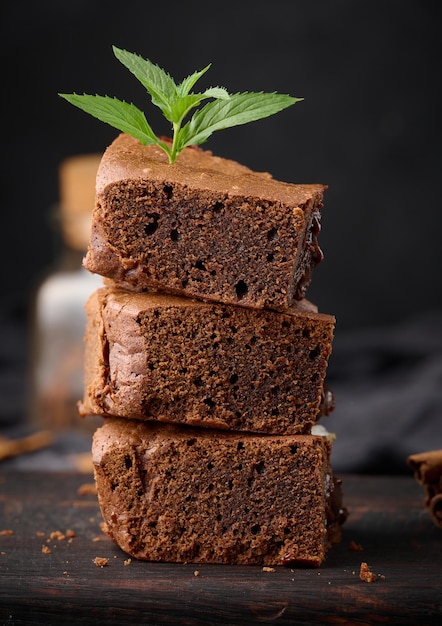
x=168, y=358
x=204, y=227
x=180, y=494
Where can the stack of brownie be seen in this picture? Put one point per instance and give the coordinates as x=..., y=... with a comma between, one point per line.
x=207, y=363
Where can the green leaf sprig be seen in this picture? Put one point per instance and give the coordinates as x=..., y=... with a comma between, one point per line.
x=176, y=101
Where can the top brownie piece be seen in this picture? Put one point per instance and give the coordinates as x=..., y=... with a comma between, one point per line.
x=204, y=227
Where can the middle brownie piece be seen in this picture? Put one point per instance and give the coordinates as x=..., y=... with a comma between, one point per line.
x=173, y=359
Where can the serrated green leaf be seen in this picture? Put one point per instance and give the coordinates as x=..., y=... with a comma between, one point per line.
x=121, y=115
x=159, y=84
x=182, y=106
x=217, y=92
x=240, y=108
x=186, y=85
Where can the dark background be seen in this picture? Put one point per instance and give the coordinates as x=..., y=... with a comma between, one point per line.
x=369, y=128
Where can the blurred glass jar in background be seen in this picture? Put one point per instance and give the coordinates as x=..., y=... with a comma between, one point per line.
x=59, y=319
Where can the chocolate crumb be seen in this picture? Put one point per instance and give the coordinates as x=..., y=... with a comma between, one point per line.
x=366, y=574
x=57, y=535
x=87, y=489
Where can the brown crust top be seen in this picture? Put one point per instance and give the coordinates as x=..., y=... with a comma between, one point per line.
x=127, y=159
x=133, y=302
x=117, y=432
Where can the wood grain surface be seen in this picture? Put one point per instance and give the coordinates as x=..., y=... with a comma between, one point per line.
x=46, y=578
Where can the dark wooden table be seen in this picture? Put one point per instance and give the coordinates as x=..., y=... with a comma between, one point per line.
x=46, y=580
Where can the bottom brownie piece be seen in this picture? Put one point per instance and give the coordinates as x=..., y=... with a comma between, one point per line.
x=181, y=494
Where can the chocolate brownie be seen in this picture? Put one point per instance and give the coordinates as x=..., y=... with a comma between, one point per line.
x=181, y=494
x=204, y=227
x=427, y=467
x=168, y=358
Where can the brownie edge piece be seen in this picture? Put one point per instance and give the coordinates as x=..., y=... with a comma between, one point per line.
x=180, y=494
x=174, y=359
x=204, y=227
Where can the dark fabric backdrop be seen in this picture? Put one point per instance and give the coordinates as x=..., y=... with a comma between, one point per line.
x=369, y=127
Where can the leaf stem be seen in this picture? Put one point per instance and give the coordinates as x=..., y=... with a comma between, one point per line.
x=174, y=151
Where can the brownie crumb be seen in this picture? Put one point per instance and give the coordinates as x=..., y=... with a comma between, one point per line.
x=366, y=575
x=46, y=549
x=87, y=489
x=268, y=569
x=5, y=533
x=57, y=534
x=101, y=561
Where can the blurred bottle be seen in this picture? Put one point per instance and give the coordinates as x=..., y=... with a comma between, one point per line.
x=58, y=316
